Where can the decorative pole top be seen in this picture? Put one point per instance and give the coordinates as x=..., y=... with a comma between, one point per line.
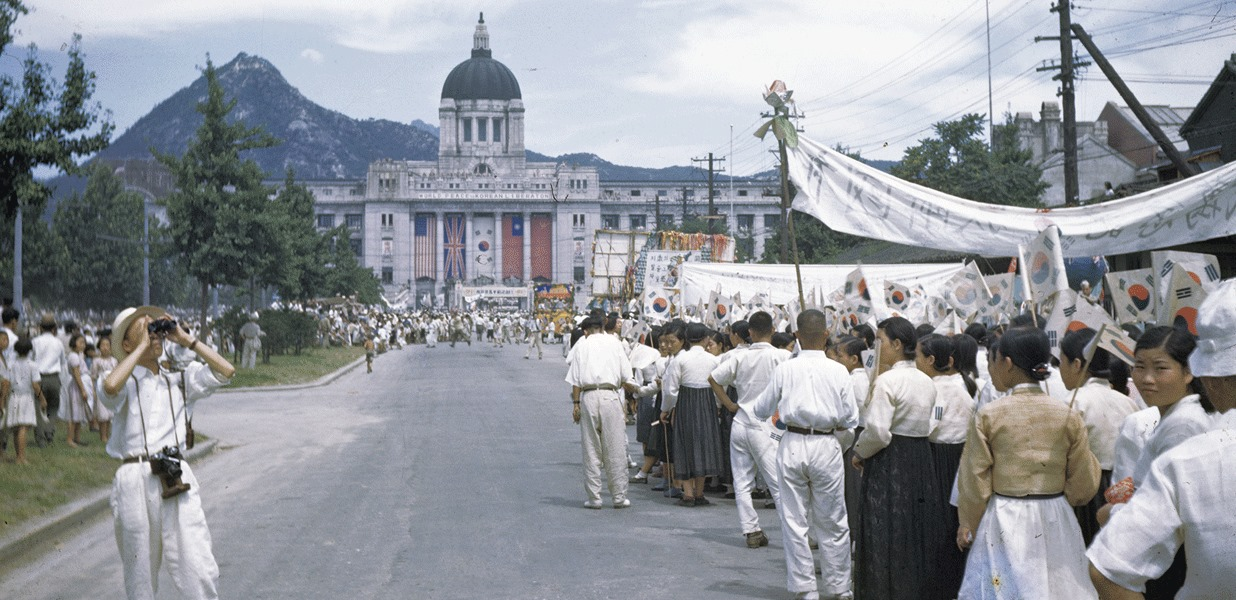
x=480, y=40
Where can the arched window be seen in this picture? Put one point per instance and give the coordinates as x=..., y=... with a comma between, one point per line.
x=482, y=169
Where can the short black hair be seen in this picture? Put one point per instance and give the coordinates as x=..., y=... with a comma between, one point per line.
x=9, y=314
x=900, y=329
x=760, y=322
x=1029, y=350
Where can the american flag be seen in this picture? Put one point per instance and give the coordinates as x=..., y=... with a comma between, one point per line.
x=542, y=243
x=425, y=232
x=513, y=246
x=456, y=234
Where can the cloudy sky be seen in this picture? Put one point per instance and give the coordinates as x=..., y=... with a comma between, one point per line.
x=650, y=82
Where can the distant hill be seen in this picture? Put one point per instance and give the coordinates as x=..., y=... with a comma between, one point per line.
x=317, y=142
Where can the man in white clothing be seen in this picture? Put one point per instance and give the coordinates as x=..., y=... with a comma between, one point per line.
x=752, y=448
x=49, y=358
x=598, y=370
x=812, y=395
x=534, y=328
x=1187, y=497
x=155, y=502
x=252, y=334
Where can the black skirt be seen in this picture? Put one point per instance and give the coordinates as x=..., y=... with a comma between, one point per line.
x=901, y=524
x=645, y=413
x=660, y=437
x=697, y=436
x=1087, y=514
x=947, y=458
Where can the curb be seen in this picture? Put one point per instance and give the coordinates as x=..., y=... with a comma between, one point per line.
x=75, y=513
x=296, y=386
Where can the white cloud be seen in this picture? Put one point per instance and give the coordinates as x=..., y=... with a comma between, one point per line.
x=312, y=55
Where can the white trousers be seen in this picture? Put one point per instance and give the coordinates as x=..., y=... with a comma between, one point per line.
x=813, y=498
x=603, y=435
x=752, y=451
x=248, y=356
x=150, y=529
x=534, y=340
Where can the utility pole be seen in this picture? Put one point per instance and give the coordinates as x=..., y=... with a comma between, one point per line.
x=684, y=191
x=1066, y=77
x=1184, y=167
x=712, y=213
x=785, y=188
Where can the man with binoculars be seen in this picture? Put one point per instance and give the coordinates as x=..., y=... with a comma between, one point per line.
x=155, y=496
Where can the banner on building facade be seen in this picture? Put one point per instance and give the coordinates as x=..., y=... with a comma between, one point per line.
x=455, y=234
x=855, y=198
x=484, y=256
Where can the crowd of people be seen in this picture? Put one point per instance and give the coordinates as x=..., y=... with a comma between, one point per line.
x=949, y=465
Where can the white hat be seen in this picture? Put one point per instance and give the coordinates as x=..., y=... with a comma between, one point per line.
x=1215, y=355
x=120, y=326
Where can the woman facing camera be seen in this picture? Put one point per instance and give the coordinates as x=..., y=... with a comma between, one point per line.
x=1026, y=460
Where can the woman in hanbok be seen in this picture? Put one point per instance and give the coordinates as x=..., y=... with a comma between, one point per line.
x=98, y=370
x=1026, y=460
x=697, y=436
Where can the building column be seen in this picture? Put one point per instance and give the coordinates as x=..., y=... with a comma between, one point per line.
x=469, y=239
x=439, y=258
x=527, y=268
x=498, y=231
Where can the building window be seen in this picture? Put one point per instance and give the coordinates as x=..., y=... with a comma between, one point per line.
x=746, y=223
x=665, y=222
x=467, y=130
x=579, y=220
x=609, y=222
x=635, y=193
x=639, y=222
x=326, y=221
x=388, y=220
x=482, y=130
x=355, y=221
x=497, y=130
x=662, y=193
x=772, y=222
x=742, y=192
x=579, y=274
x=388, y=275
x=328, y=192
x=356, y=246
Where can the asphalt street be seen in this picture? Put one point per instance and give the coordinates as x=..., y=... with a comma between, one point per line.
x=447, y=473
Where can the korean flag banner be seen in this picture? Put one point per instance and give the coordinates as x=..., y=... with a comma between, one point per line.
x=1202, y=268
x=1000, y=304
x=1043, y=264
x=1184, y=295
x=657, y=304
x=897, y=296
x=1133, y=295
x=966, y=291
x=1114, y=340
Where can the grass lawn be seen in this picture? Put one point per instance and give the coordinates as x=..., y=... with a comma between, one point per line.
x=311, y=365
x=56, y=474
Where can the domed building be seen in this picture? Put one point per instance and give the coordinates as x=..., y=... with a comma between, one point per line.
x=482, y=219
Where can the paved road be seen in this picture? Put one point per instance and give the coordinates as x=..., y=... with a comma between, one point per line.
x=448, y=473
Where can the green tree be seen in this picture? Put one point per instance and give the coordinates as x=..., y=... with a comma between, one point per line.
x=345, y=276
x=300, y=272
x=218, y=213
x=43, y=123
x=101, y=233
x=816, y=242
x=958, y=162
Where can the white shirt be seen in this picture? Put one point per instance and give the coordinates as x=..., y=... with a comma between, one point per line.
x=689, y=369
x=48, y=353
x=10, y=353
x=1134, y=432
x=1104, y=411
x=860, y=381
x=749, y=372
x=810, y=391
x=160, y=406
x=954, y=409
x=1186, y=499
x=1182, y=421
x=598, y=359
x=901, y=404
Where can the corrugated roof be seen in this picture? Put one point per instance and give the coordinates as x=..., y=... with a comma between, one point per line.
x=1168, y=118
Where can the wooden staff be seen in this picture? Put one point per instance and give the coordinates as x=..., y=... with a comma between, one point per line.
x=789, y=218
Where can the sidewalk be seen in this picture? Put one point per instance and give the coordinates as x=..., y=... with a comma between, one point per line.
x=77, y=512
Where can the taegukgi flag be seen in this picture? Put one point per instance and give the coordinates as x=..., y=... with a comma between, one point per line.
x=1184, y=295
x=1043, y=263
x=1133, y=295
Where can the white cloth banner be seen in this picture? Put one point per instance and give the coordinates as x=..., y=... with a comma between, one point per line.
x=855, y=198
x=779, y=285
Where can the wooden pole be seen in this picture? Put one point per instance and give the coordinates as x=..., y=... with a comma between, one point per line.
x=789, y=219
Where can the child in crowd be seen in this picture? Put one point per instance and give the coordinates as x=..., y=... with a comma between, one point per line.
x=19, y=414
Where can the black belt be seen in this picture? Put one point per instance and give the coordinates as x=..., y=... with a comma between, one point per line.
x=1032, y=496
x=136, y=459
x=808, y=430
x=600, y=386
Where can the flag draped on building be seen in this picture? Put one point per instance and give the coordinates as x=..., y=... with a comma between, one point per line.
x=484, y=253
x=542, y=246
x=425, y=246
x=455, y=232
x=513, y=246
